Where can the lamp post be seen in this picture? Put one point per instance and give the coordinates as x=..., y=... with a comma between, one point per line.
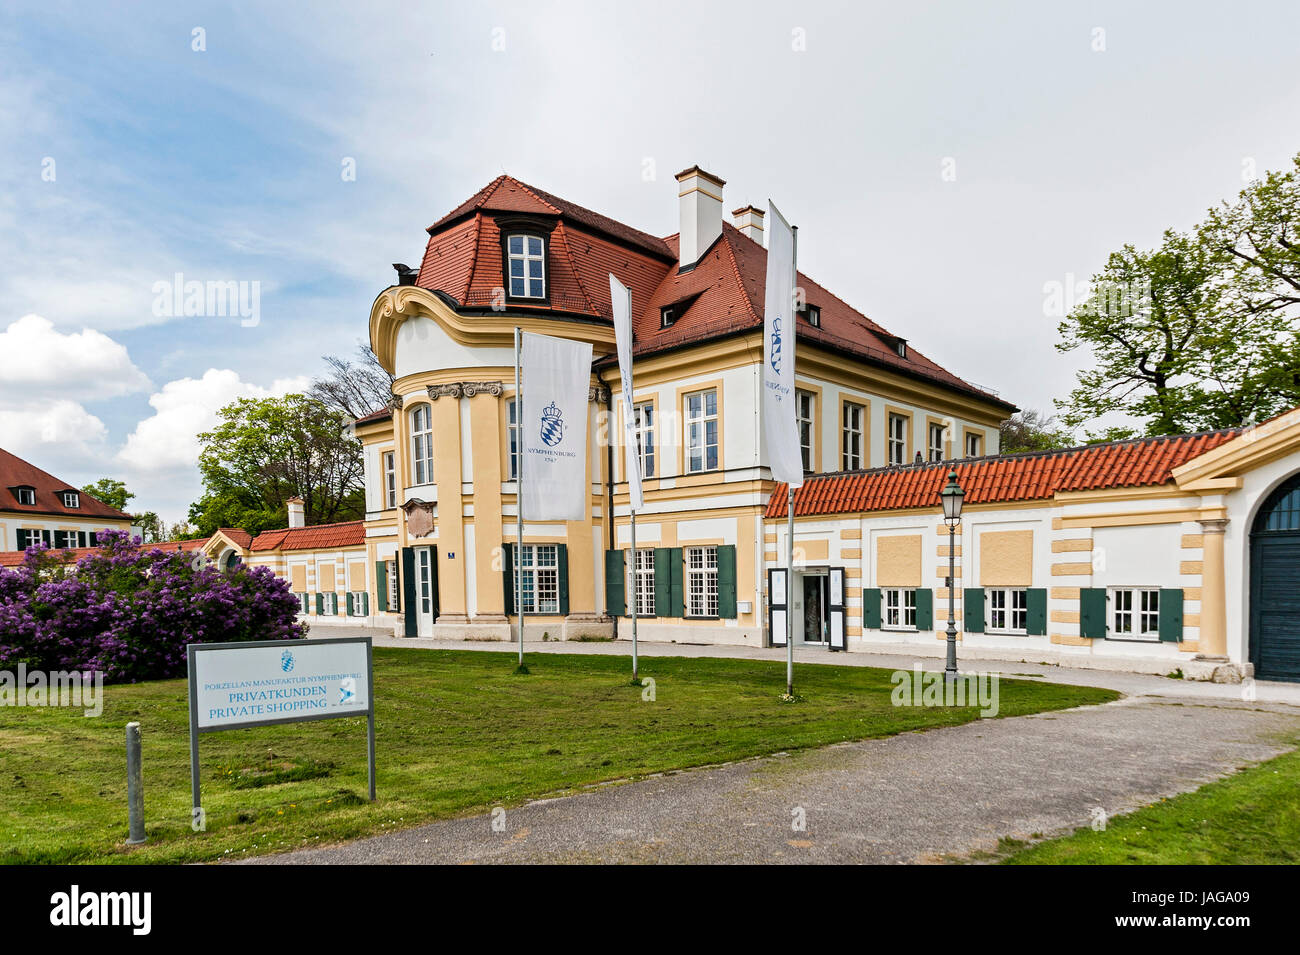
x=951, y=497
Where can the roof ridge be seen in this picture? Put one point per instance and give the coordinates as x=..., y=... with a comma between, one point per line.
x=740, y=280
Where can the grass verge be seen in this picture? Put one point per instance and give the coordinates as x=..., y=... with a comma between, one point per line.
x=1249, y=818
x=456, y=732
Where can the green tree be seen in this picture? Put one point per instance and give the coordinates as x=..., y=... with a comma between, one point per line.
x=1031, y=430
x=109, y=491
x=265, y=451
x=152, y=529
x=1199, y=333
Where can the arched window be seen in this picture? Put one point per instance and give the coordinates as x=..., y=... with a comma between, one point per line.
x=421, y=445
x=1281, y=512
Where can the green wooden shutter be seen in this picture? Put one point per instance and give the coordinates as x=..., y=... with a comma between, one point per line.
x=1171, y=615
x=615, y=598
x=508, y=579
x=320, y=604
x=924, y=609
x=1036, y=611
x=351, y=604
x=1092, y=612
x=562, y=558
x=411, y=617
x=972, y=610
x=727, y=581
x=871, y=608
x=676, y=593
x=663, y=581
x=365, y=604
x=381, y=584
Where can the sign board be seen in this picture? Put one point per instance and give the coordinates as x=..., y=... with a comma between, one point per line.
x=237, y=685
x=233, y=685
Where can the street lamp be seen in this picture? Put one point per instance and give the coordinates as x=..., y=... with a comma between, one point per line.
x=951, y=497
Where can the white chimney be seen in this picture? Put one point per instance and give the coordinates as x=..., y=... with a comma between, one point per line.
x=699, y=198
x=297, y=516
x=749, y=221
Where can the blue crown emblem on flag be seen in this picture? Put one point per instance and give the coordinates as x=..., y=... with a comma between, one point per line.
x=552, y=431
x=776, y=344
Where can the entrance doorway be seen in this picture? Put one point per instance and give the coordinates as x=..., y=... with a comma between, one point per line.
x=815, y=619
x=1275, y=585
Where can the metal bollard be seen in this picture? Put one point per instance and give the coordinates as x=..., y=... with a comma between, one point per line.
x=134, y=785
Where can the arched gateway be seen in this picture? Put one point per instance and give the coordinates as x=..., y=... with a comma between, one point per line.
x=1275, y=585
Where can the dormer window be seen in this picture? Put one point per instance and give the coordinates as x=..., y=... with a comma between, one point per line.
x=667, y=315
x=900, y=346
x=25, y=495
x=70, y=499
x=526, y=262
x=813, y=314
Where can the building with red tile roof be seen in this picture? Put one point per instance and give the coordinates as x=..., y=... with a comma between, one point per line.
x=37, y=506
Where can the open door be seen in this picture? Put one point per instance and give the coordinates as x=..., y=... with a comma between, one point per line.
x=838, y=638
x=778, y=606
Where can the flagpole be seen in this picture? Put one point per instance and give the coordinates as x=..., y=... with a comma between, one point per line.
x=519, y=499
x=635, y=604
x=789, y=488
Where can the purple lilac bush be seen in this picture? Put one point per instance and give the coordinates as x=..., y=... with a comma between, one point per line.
x=129, y=611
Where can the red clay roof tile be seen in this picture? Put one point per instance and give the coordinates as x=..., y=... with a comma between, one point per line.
x=15, y=472
x=1036, y=475
x=317, y=536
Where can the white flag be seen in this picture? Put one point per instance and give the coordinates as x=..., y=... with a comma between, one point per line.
x=622, y=302
x=780, y=428
x=553, y=427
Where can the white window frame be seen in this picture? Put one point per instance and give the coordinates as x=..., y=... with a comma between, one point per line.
x=696, y=426
x=330, y=605
x=898, y=608
x=974, y=445
x=940, y=431
x=71, y=499
x=1131, y=607
x=541, y=579
x=26, y=495
x=389, y=459
x=422, y=444
x=702, y=582
x=642, y=563
x=1008, y=610
x=852, y=436
x=424, y=580
x=304, y=603
x=394, y=586
x=644, y=426
x=805, y=416
x=357, y=603
x=896, y=437
x=527, y=258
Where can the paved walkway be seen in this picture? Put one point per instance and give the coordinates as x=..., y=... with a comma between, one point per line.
x=918, y=797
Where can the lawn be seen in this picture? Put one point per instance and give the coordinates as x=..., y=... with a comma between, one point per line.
x=457, y=732
x=1249, y=818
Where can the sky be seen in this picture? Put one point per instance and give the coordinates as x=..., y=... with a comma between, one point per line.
x=951, y=166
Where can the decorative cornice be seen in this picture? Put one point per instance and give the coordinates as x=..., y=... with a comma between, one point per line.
x=450, y=390
x=598, y=393
x=466, y=389
x=396, y=403
x=1214, y=526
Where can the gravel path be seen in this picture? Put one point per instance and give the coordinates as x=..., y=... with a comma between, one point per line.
x=912, y=798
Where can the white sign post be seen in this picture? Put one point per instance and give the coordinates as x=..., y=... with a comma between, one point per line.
x=237, y=685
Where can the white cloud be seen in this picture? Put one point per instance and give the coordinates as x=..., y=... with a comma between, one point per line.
x=60, y=436
x=182, y=409
x=41, y=361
